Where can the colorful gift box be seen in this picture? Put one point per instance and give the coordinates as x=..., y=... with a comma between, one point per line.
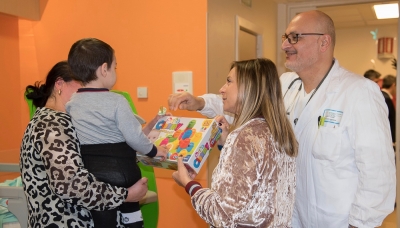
x=191, y=138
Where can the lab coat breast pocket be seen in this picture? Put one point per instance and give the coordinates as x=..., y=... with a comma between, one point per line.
x=327, y=143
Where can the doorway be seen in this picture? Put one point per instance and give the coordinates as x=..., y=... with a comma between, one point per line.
x=289, y=8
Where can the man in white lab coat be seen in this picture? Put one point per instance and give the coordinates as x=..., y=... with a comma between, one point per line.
x=345, y=167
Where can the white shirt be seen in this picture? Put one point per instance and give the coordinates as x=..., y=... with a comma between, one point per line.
x=345, y=172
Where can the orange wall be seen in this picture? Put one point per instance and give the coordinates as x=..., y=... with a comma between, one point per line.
x=151, y=38
x=10, y=135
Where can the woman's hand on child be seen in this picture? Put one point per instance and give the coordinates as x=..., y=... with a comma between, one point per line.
x=137, y=191
x=224, y=126
x=182, y=176
x=162, y=152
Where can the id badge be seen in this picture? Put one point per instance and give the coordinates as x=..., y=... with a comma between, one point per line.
x=331, y=118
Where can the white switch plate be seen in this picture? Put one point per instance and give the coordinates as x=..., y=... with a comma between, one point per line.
x=142, y=92
x=182, y=82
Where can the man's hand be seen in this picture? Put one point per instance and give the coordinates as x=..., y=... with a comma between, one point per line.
x=185, y=101
x=137, y=191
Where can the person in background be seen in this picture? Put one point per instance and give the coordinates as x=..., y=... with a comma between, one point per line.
x=345, y=167
x=109, y=131
x=389, y=92
x=253, y=184
x=373, y=75
x=59, y=190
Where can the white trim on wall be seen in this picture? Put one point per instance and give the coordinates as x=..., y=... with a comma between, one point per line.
x=245, y=25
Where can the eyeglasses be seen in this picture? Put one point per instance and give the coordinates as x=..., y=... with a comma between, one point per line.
x=294, y=38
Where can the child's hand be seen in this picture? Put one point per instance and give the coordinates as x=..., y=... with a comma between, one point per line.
x=152, y=123
x=158, y=116
x=224, y=126
x=162, y=152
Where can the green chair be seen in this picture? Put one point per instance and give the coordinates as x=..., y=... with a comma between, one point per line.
x=149, y=205
x=31, y=106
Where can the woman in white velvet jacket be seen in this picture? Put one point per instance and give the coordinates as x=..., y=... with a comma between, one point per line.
x=254, y=182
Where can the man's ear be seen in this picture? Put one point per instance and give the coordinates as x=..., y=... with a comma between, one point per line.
x=325, y=42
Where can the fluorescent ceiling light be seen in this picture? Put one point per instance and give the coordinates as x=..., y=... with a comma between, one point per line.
x=386, y=11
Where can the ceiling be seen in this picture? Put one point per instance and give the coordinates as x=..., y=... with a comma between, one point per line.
x=353, y=15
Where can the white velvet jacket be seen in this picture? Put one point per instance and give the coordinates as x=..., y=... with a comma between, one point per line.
x=253, y=184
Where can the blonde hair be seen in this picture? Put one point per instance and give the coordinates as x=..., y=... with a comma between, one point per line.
x=260, y=95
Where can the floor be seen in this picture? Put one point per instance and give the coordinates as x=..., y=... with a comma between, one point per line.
x=389, y=222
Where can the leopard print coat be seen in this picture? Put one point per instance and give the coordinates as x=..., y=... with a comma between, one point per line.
x=59, y=190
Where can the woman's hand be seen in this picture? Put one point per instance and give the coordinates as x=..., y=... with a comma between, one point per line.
x=224, y=126
x=137, y=191
x=182, y=176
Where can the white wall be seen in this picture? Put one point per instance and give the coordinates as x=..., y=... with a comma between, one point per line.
x=355, y=48
x=221, y=27
x=221, y=52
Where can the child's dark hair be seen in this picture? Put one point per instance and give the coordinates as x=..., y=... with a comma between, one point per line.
x=39, y=93
x=86, y=55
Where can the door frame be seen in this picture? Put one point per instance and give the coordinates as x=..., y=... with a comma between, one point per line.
x=250, y=27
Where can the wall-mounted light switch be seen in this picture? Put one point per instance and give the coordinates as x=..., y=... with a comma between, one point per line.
x=142, y=92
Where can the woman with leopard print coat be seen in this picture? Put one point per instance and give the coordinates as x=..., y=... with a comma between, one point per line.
x=59, y=190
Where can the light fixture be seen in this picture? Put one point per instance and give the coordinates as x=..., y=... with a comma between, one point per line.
x=386, y=11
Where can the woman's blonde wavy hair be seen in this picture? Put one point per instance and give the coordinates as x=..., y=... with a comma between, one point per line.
x=260, y=95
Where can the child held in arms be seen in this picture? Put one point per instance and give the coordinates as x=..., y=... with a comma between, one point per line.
x=109, y=132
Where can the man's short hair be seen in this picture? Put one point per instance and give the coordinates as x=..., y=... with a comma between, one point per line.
x=388, y=81
x=372, y=74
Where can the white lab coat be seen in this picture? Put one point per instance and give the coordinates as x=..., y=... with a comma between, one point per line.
x=345, y=174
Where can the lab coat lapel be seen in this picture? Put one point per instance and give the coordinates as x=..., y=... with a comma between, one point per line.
x=319, y=101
